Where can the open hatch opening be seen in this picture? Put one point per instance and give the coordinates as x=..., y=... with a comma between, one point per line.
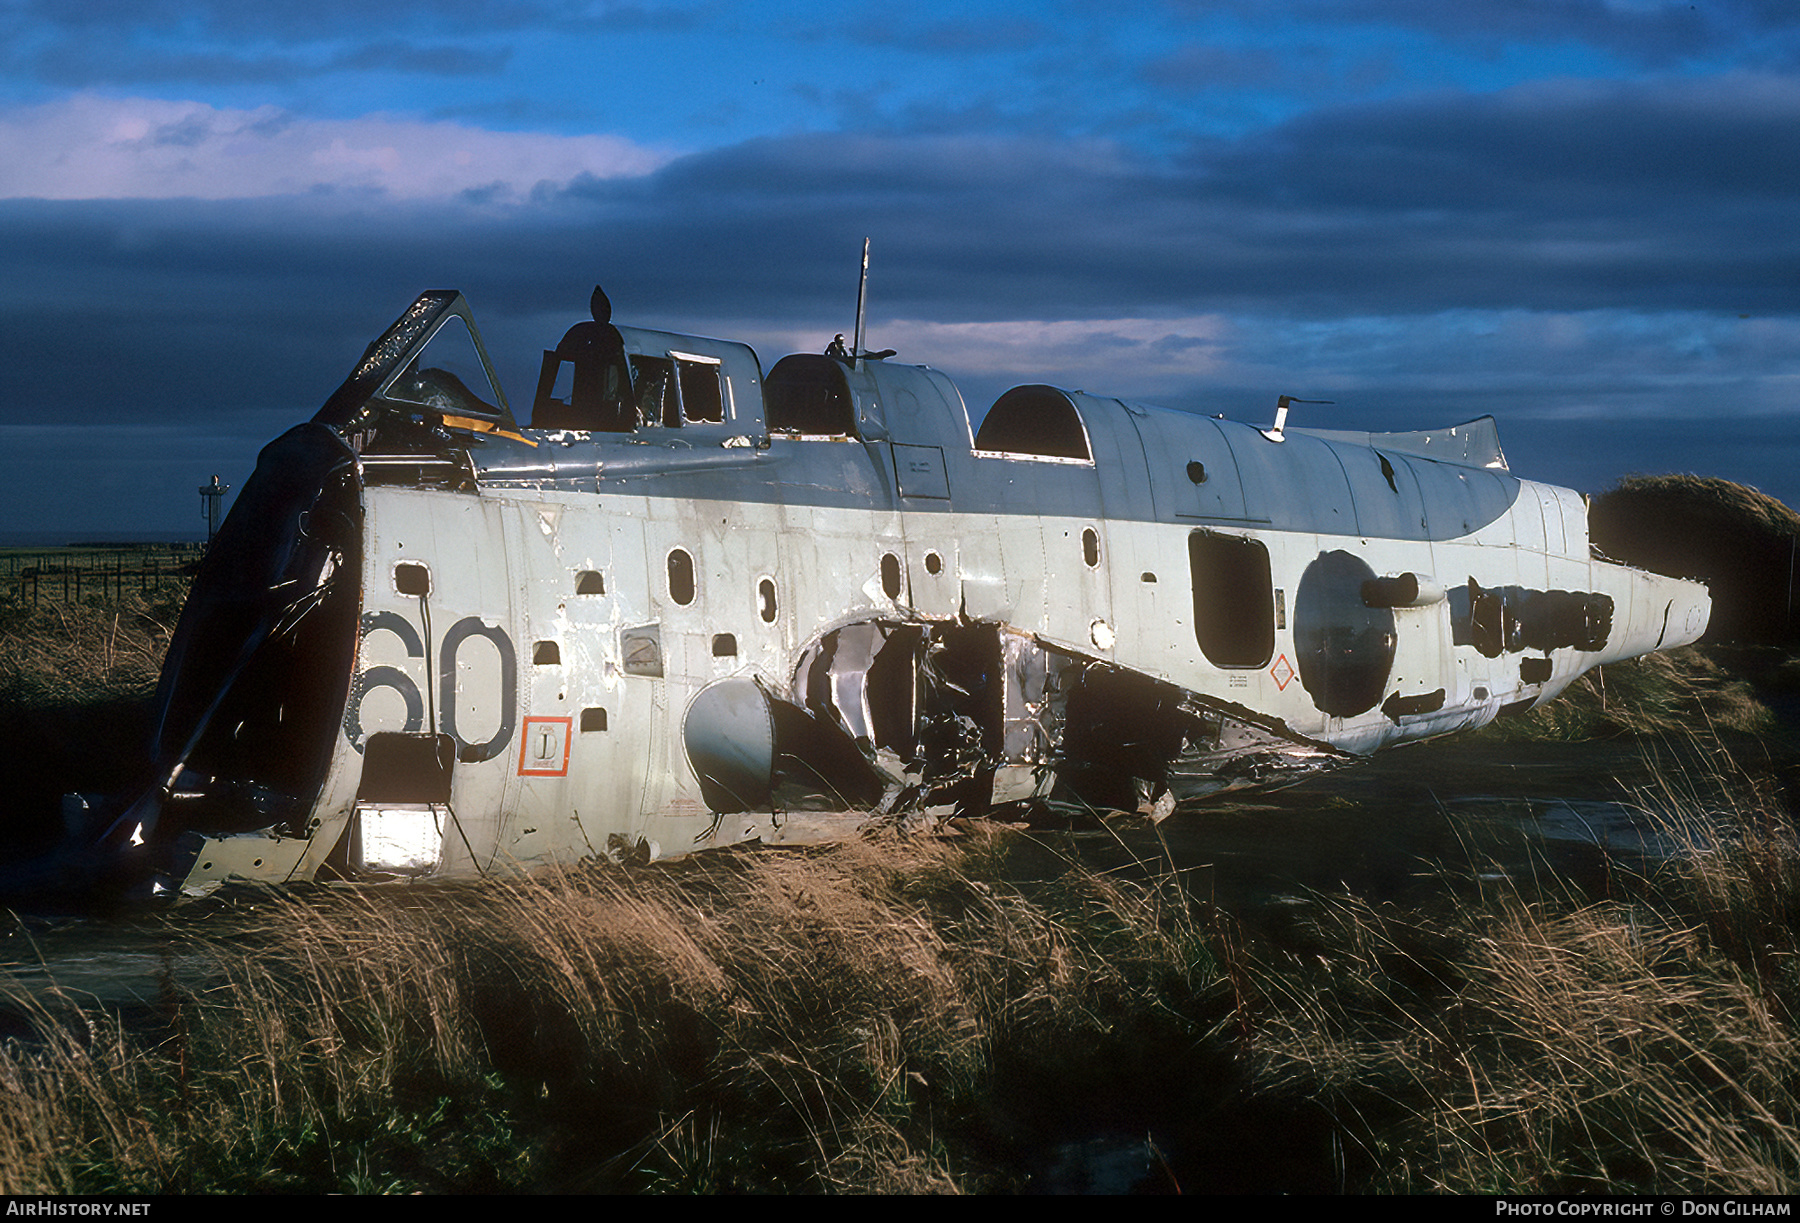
x=809, y=396
x=1039, y=421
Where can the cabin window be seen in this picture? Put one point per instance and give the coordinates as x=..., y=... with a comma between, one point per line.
x=1234, y=619
x=545, y=653
x=681, y=577
x=590, y=582
x=562, y=382
x=584, y=383
x=765, y=600
x=702, y=397
x=680, y=386
x=1039, y=421
x=593, y=719
x=1090, y=547
x=890, y=575
x=724, y=645
x=654, y=380
x=808, y=395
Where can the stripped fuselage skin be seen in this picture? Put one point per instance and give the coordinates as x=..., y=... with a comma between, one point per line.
x=430, y=638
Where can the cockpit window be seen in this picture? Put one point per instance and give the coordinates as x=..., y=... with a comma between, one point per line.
x=446, y=376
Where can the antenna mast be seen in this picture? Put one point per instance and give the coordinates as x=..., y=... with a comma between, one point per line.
x=862, y=286
x=1281, y=414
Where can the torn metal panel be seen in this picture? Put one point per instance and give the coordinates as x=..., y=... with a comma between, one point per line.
x=687, y=606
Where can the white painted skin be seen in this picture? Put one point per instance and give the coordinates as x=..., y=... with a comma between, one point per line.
x=581, y=753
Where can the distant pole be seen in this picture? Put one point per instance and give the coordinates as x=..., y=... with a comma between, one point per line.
x=211, y=497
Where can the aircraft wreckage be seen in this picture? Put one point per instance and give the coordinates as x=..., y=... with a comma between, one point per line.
x=695, y=602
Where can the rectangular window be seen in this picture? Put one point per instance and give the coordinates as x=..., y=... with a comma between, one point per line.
x=656, y=395
x=1234, y=599
x=702, y=400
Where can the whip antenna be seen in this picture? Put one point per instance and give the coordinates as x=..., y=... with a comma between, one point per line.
x=862, y=287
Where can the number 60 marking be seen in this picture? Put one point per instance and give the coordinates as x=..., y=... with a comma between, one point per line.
x=365, y=682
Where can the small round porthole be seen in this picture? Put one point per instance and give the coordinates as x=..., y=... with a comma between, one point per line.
x=681, y=577
x=934, y=564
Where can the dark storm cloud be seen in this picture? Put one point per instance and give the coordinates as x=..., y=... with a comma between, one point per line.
x=110, y=60
x=1545, y=197
x=261, y=20
x=93, y=43
x=1655, y=34
x=1556, y=148
x=1570, y=198
x=440, y=60
x=1206, y=66
x=88, y=64
x=973, y=35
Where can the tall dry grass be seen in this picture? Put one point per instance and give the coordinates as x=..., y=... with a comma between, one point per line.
x=821, y=1021
x=1532, y=1039
x=1671, y=692
x=894, y=1015
x=62, y=654
x=897, y=1015
x=75, y=686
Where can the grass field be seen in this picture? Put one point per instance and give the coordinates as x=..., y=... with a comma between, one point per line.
x=927, y=1015
x=898, y=1015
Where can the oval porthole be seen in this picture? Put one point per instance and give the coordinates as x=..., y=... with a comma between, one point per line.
x=934, y=564
x=890, y=575
x=1090, y=547
x=765, y=600
x=681, y=577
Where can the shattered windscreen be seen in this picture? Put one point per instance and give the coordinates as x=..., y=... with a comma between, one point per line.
x=447, y=375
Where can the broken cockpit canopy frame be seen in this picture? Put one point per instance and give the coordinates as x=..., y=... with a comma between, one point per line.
x=431, y=359
x=259, y=666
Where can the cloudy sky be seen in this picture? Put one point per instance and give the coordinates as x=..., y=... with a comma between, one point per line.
x=1581, y=216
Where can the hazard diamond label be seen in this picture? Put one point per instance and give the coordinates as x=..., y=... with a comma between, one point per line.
x=1283, y=673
